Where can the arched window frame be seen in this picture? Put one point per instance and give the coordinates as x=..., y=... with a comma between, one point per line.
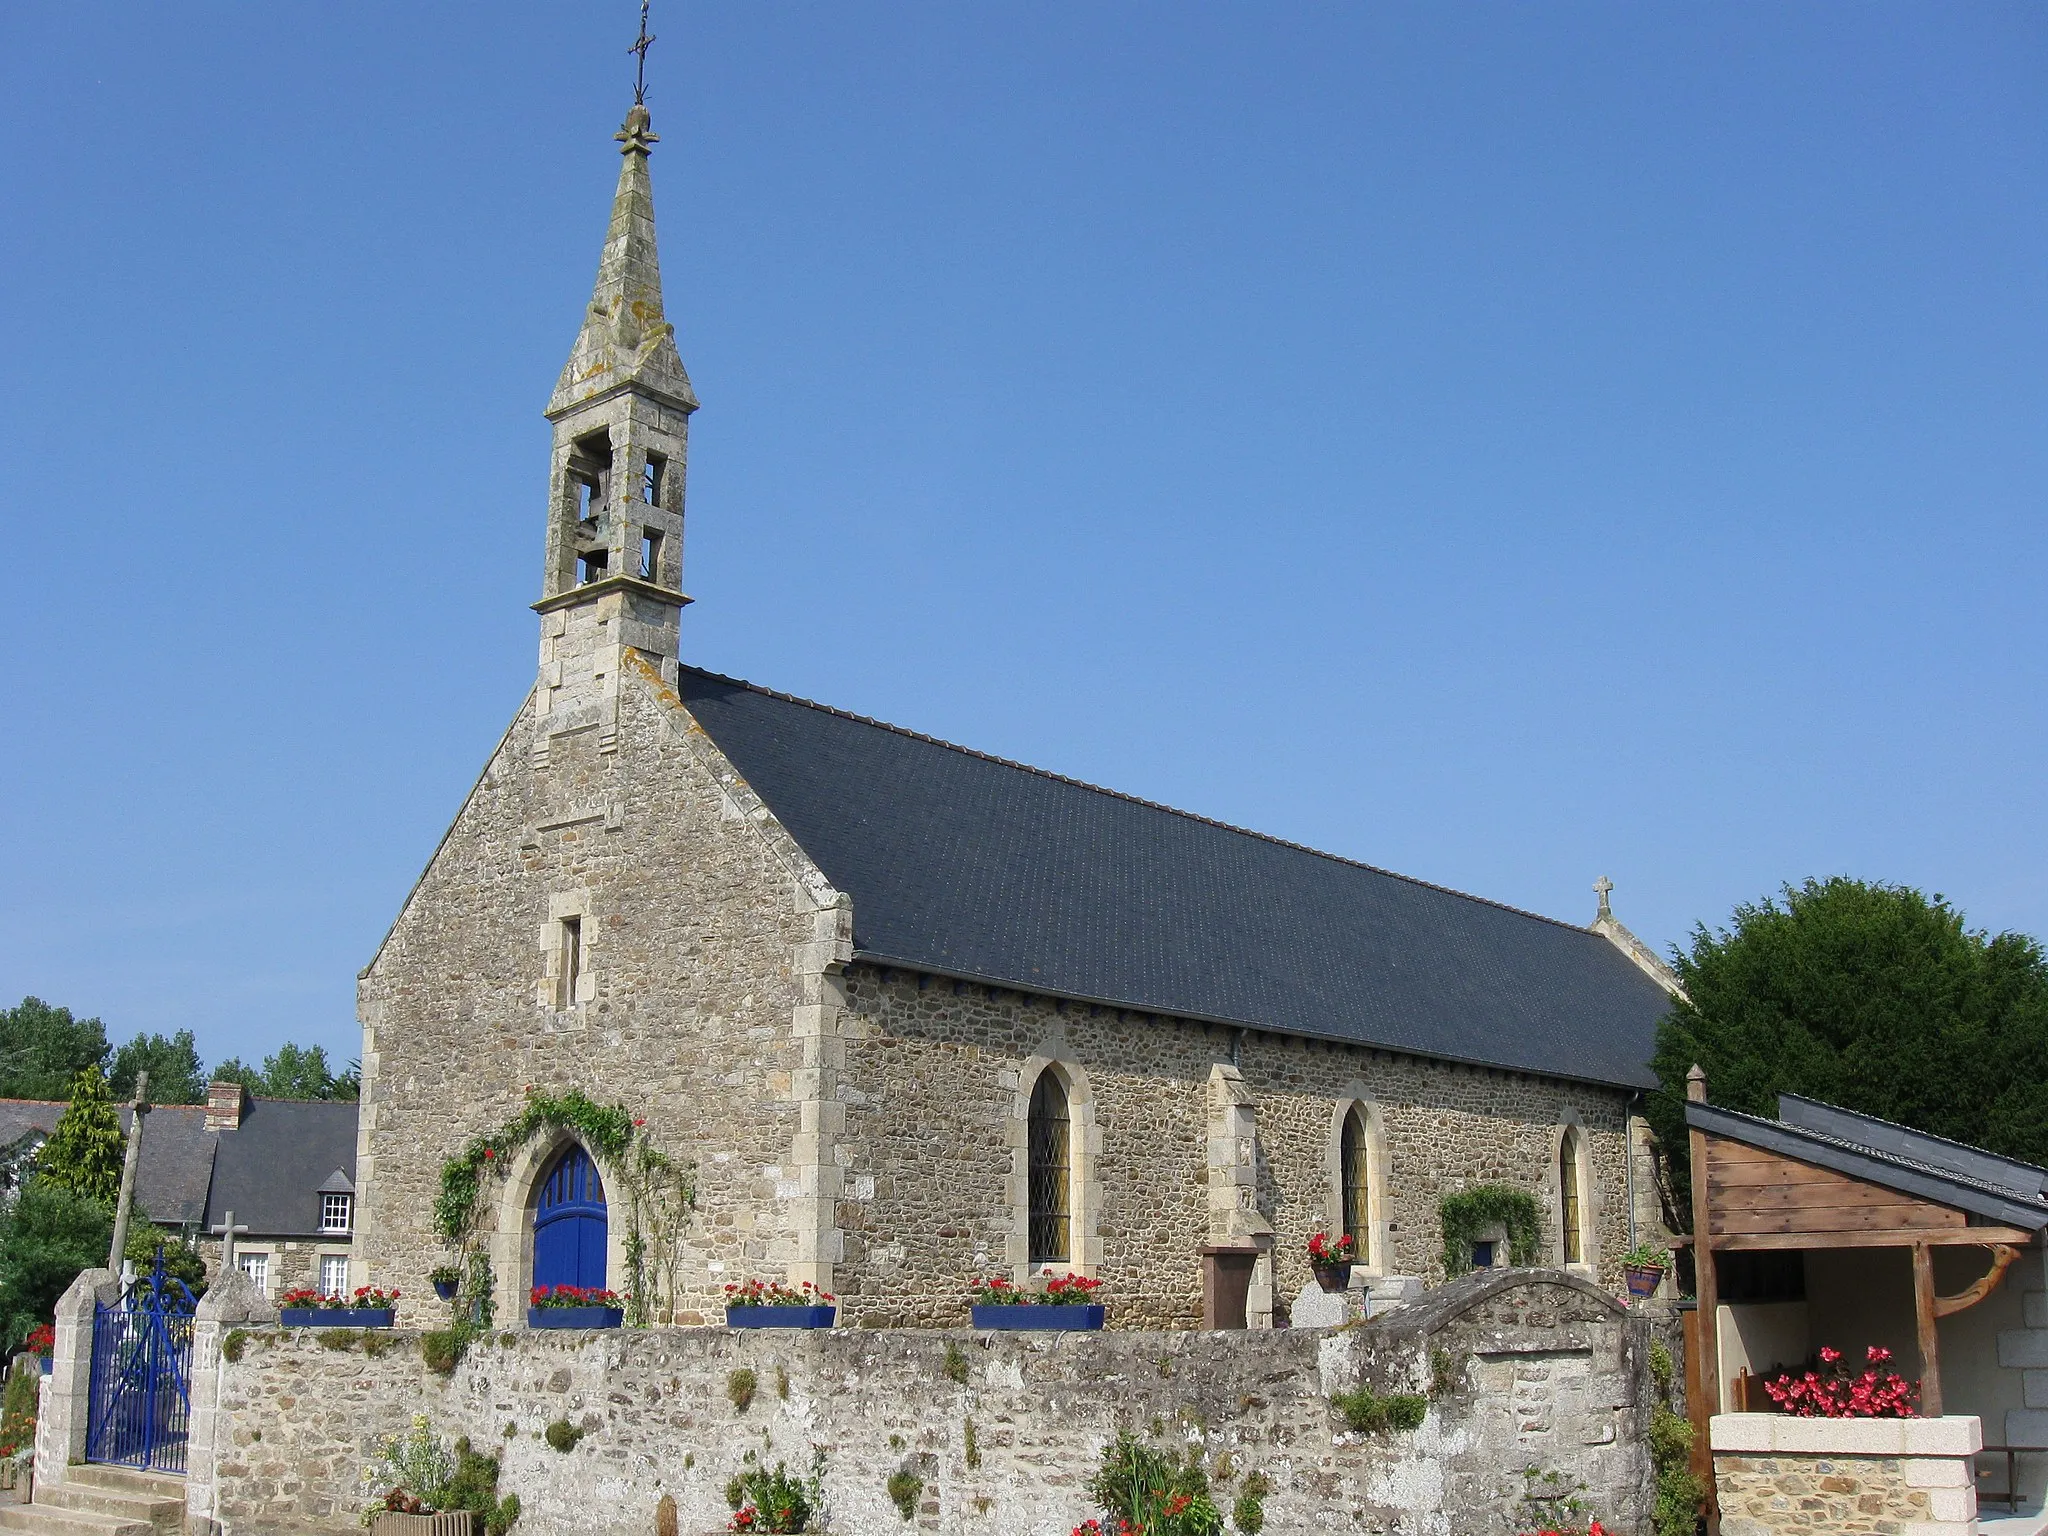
x=1084, y=1187
x=1571, y=1132
x=1357, y=1100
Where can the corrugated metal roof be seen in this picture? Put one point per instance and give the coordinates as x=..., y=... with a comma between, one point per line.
x=980, y=868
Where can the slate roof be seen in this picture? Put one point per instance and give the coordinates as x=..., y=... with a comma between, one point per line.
x=269, y=1173
x=974, y=867
x=177, y=1154
x=1997, y=1189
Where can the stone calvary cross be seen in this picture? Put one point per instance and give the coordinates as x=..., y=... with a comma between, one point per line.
x=227, y=1232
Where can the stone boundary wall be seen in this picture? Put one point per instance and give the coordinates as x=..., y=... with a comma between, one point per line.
x=1529, y=1373
x=1774, y=1473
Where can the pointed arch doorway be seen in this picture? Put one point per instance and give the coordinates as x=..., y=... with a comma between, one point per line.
x=571, y=1224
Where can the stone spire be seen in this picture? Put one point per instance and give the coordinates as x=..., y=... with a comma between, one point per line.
x=625, y=340
x=613, y=575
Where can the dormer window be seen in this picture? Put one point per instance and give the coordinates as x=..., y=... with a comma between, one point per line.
x=337, y=1213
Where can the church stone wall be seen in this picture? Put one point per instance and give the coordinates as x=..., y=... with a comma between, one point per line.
x=1537, y=1393
x=932, y=1085
x=692, y=921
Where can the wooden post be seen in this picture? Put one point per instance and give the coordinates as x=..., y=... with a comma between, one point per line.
x=1705, y=1282
x=1706, y=1288
x=129, y=1159
x=1930, y=1343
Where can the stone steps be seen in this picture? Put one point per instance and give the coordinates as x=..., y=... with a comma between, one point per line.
x=102, y=1501
x=46, y=1520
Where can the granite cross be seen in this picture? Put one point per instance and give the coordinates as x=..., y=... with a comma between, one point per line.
x=228, y=1232
x=1601, y=887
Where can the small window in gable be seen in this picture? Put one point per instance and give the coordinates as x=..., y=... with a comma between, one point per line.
x=572, y=958
x=336, y=1212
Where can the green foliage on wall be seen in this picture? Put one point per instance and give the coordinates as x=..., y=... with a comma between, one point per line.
x=904, y=1488
x=1366, y=1412
x=1469, y=1212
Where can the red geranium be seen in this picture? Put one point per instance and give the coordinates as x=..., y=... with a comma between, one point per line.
x=1325, y=1249
x=1830, y=1392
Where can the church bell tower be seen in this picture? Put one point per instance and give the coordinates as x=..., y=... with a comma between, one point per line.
x=613, y=577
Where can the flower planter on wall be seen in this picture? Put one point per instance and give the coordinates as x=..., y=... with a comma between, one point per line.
x=780, y=1317
x=1051, y=1319
x=336, y=1317
x=1333, y=1278
x=1643, y=1279
x=459, y=1522
x=574, y=1317
x=445, y=1289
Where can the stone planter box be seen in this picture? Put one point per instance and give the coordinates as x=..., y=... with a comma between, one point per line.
x=1774, y=1473
x=461, y=1522
x=1036, y=1319
x=780, y=1317
x=574, y=1317
x=336, y=1317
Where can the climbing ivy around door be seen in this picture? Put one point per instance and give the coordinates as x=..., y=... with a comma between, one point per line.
x=570, y=1224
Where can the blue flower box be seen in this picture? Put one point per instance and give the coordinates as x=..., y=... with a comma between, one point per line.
x=46, y=1365
x=780, y=1317
x=1050, y=1319
x=445, y=1289
x=336, y=1317
x=574, y=1317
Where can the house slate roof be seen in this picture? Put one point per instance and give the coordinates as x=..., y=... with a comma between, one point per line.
x=269, y=1173
x=177, y=1154
x=986, y=870
x=1997, y=1189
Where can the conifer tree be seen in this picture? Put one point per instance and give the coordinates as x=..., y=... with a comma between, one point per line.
x=84, y=1153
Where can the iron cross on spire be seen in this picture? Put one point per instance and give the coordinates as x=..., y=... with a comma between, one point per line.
x=640, y=46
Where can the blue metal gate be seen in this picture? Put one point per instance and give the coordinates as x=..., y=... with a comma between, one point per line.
x=141, y=1398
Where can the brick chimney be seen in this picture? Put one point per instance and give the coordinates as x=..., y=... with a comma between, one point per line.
x=224, y=1104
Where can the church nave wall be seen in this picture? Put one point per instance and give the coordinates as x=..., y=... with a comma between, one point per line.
x=933, y=1085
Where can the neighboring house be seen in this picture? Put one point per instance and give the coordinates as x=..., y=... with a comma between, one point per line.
x=285, y=1167
x=917, y=1013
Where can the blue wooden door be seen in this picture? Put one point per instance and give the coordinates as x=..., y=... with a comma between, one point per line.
x=569, y=1224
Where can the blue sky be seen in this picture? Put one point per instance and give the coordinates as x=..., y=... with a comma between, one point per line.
x=1507, y=444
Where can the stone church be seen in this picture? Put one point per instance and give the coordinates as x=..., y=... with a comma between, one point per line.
x=918, y=1014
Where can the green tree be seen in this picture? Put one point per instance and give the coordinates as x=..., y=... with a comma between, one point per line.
x=84, y=1153
x=1871, y=996
x=291, y=1072
x=47, y=1235
x=42, y=1049
x=172, y=1062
